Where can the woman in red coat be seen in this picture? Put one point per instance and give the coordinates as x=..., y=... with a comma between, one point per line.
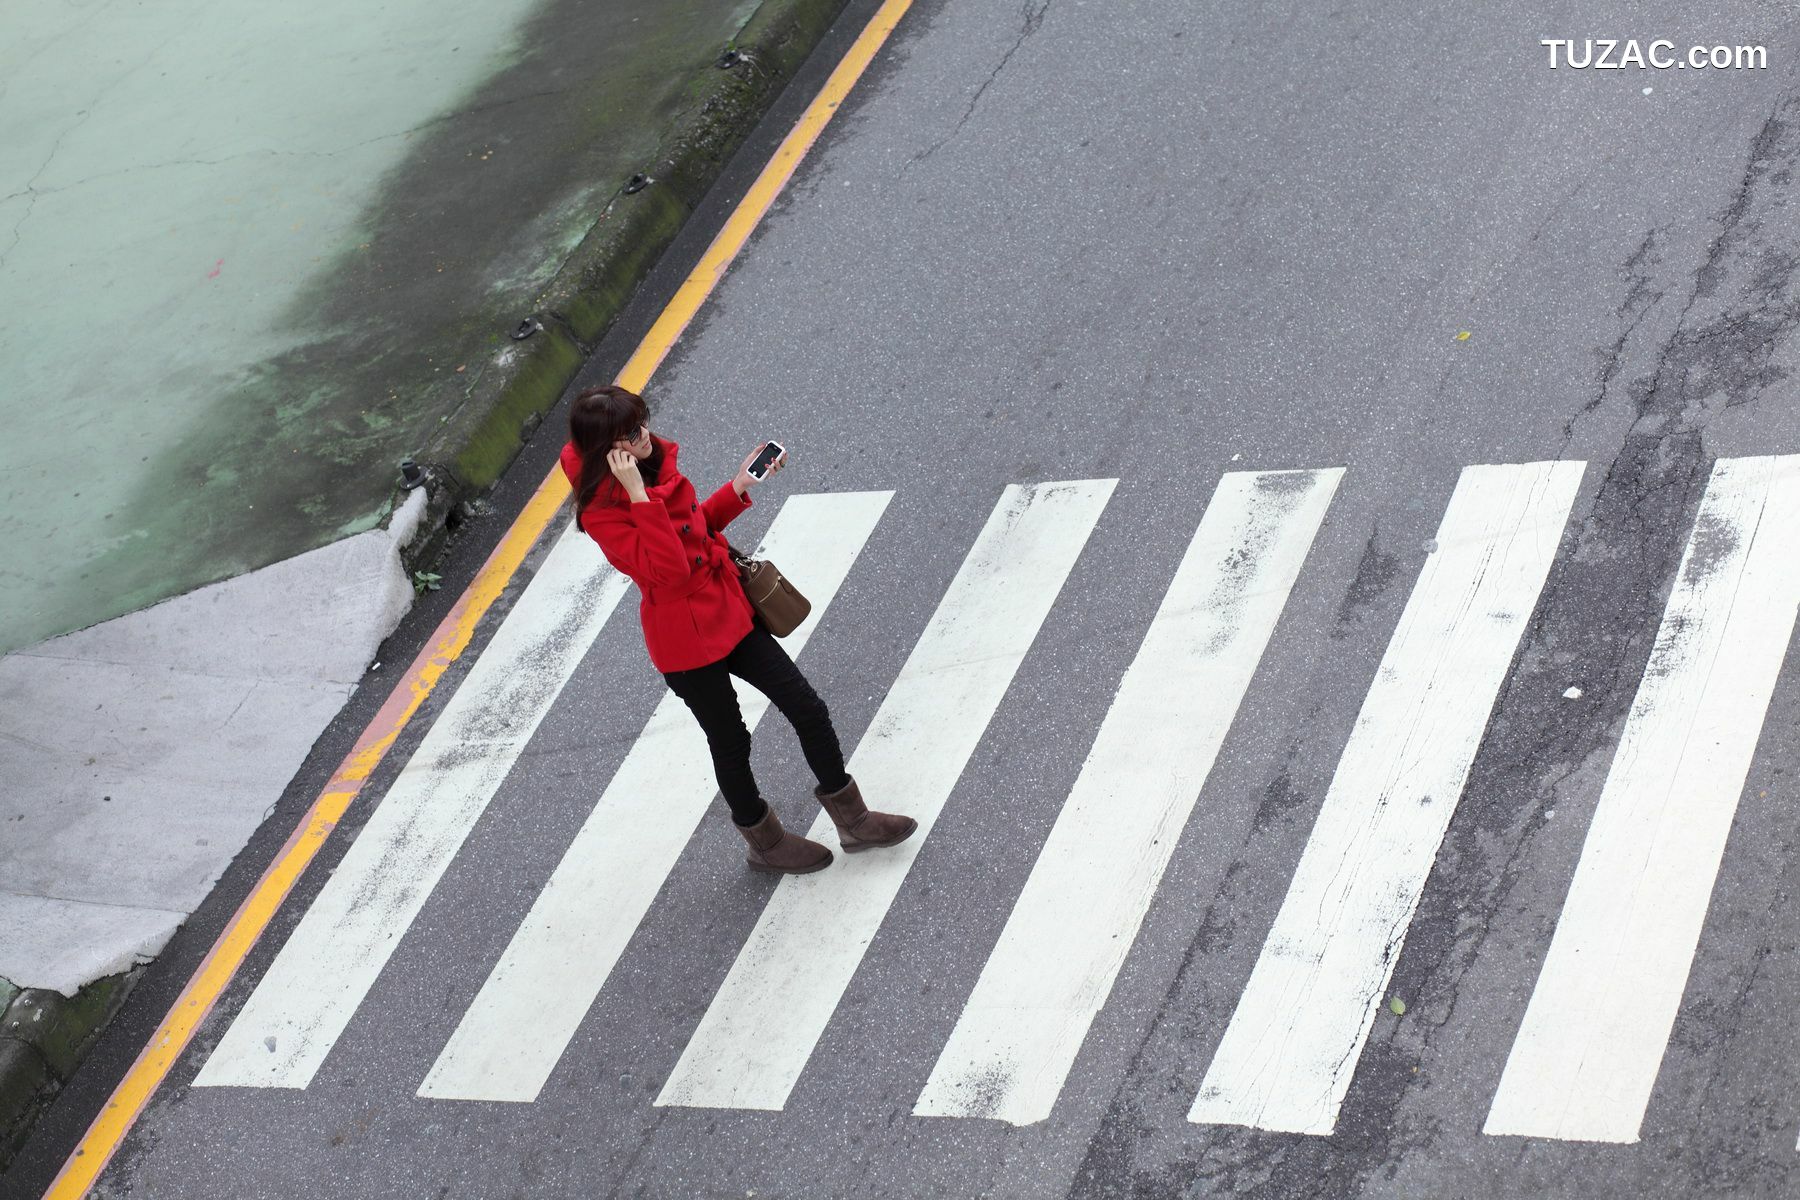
x=699, y=627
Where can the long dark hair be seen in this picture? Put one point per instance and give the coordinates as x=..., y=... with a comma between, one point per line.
x=599, y=417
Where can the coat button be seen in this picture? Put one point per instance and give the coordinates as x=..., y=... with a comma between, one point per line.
x=698, y=559
x=693, y=508
x=684, y=529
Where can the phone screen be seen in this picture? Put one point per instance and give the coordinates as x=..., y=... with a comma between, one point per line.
x=765, y=458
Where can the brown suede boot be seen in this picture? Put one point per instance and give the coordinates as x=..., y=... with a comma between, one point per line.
x=858, y=828
x=773, y=848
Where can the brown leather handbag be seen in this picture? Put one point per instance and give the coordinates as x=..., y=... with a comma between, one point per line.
x=778, y=603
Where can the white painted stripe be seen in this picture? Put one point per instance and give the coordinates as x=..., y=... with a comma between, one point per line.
x=562, y=954
x=1588, y=1052
x=761, y=1028
x=1068, y=935
x=1287, y=1056
x=326, y=968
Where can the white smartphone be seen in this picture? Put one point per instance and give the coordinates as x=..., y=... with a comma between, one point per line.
x=765, y=458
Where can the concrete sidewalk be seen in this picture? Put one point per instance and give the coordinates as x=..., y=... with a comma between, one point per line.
x=251, y=263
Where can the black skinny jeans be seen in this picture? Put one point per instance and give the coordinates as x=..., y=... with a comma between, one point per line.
x=759, y=661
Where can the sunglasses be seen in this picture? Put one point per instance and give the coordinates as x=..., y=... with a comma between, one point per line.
x=635, y=432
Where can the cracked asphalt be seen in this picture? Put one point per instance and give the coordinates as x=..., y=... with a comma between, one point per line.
x=1074, y=240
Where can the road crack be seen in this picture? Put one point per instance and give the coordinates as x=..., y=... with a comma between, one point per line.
x=1034, y=19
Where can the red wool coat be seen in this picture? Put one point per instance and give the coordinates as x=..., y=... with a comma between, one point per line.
x=693, y=607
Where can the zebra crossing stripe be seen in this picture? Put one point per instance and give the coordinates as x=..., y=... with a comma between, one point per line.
x=313, y=988
x=1087, y=895
x=755, y=1038
x=562, y=954
x=1597, y=1025
x=1288, y=1053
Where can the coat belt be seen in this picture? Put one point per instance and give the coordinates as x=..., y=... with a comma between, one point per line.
x=700, y=577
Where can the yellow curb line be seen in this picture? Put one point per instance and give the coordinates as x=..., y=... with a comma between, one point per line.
x=451, y=638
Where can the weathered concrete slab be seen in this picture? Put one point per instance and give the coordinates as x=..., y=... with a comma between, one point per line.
x=66, y=944
x=141, y=754
x=136, y=784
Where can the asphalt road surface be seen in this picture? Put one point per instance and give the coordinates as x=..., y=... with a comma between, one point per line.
x=1297, y=505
